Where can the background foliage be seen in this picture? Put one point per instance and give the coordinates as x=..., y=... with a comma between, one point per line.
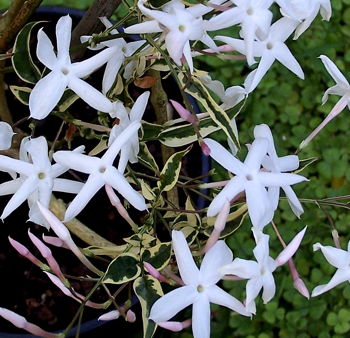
x=292, y=108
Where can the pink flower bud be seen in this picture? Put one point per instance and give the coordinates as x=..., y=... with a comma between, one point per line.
x=22, y=323
x=55, y=241
x=301, y=287
x=154, y=272
x=183, y=112
x=130, y=316
x=22, y=250
x=175, y=326
x=112, y=315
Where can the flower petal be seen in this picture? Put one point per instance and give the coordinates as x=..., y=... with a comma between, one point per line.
x=217, y=256
x=201, y=317
x=187, y=267
x=265, y=63
x=253, y=288
x=150, y=26
x=336, y=257
x=9, y=164
x=111, y=71
x=256, y=153
x=232, y=188
x=89, y=94
x=115, y=179
x=46, y=94
x=224, y=157
x=269, y=287
x=340, y=276
x=44, y=50
x=220, y=297
x=93, y=184
x=333, y=71
x=28, y=186
x=79, y=162
x=241, y=268
x=63, y=35
x=279, y=179
x=293, y=201
x=170, y=304
x=139, y=107
x=6, y=134
x=65, y=185
x=38, y=150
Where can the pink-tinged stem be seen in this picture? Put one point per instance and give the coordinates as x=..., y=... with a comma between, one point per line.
x=205, y=148
x=22, y=250
x=213, y=185
x=47, y=254
x=63, y=233
x=219, y=226
x=175, y=326
x=22, y=323
x=220, y=8
x=115, y=201
x=72, y=294
x=337, y=109
x=174, y=277
x=335, y=236
x=232, y=278
x=154, y=272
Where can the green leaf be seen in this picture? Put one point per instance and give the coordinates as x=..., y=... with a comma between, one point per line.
x=219, y=116
x=147, y=290
x=146, y=157
x=22, y=61
x=21, y=93
x=171, y=171
x=122, y=269
x=176, y=136
x=158, y=256
x=150, y=131
x=68, y=98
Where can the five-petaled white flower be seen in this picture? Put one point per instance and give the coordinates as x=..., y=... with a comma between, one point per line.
x=250, y=179
x=276, y=164
x=338, y=258
x=270, y=47
x=180, y=25
x=101, y=171
x=200, y=287
x=129, y=150
x=37, y=180
x=342, y=88
x=48, y=91
x=260, y=272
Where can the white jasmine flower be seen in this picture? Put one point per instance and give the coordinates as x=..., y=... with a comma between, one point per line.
x=276, y=164
x=38, y=177
x=6, y=134
x=338, y=258
x=101, y=171
x=121, y=50
x=260, y=273
x=252, y=15
x=129, y=150
x=250, y=179
x=305, y=11
x=48, y=91
x=180, y=26
x=270, y=48
x=342, y=88
x=199, y=288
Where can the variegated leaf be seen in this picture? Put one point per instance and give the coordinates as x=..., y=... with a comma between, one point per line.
x=122, y=269
x=21, y=93
x=147, y=290
x=147, y=158
x=170, y=172
x=158, y=256
x=22, y=61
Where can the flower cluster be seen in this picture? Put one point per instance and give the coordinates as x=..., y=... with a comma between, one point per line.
x=172, y=36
